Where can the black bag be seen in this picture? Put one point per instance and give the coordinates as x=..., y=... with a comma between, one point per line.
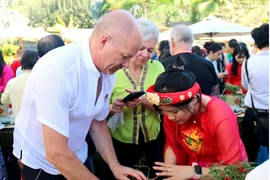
x=262, y=130
x=262, y=119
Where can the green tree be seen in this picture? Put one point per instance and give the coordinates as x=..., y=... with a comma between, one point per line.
x=68, y=13
x=6, y=13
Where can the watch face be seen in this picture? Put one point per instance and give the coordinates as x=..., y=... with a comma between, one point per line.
x=198, y=169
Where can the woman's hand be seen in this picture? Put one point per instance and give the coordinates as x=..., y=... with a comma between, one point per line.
x=117, y=106
x=174, y=172
x=134, y=103
x=222, y=75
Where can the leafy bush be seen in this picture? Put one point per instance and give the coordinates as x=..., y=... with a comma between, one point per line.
x=8, y=51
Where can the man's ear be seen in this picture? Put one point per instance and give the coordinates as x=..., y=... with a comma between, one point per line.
x=103, y=41
x=172, y=43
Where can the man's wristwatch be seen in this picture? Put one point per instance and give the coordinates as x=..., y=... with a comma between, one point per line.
x=197, y=171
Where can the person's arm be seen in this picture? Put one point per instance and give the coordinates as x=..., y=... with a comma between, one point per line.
x=53, y=100
x=226, y=60
x=5, y=99
x=59, y=155
x=102, y=139
x=222, y=75
x=147, y=104
x=244, y=81
x=6, y=76
x=169, y=156
x=180, y=172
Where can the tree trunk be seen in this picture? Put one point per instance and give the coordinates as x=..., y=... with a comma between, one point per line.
x=144, y=4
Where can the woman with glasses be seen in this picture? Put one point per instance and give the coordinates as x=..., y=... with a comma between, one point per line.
x=200, y=129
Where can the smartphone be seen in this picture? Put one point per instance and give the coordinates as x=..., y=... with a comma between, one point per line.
x=133, y=95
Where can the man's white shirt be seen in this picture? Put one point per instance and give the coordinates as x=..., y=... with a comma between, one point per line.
x=60, y=93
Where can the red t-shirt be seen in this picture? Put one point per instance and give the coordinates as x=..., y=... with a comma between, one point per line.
x=14, y=66
x=214, y=138
x=233, y=79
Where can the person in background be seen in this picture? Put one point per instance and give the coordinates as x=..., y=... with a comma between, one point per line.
x=164, y=44
x=224, y=59
x=200, y=130
x=222, y=63
x=67, y=96
x=15, y=87
x=155, y=56
x=164, y=54
x=214, y=51
x=45, y=45
x=232, y=45
x=6, y=73
x=16, y=63
x=234, y=69
x=204, y=52
x=49, y=43
x=181, y=40
x=197, y=50
x=258, y=87
x=139, y=136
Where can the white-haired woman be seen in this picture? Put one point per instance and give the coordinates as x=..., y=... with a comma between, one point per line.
x=138, y=138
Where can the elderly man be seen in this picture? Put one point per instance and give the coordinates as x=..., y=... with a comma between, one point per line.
x=67, y=96
x=181, y=40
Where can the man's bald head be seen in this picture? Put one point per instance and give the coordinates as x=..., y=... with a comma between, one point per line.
x=118, y=23
x=115, y=38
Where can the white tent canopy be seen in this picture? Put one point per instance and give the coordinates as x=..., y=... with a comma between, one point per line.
x=22, y=32
x=214, y=27
x=76, y=34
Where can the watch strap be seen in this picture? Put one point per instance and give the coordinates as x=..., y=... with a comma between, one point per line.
x=196, y=176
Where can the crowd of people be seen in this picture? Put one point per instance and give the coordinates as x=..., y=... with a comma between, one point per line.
x=68, y=103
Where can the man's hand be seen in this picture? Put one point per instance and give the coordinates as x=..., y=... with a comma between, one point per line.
x=122, y=173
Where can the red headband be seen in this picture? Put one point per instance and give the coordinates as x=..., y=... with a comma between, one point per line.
x=164, y=99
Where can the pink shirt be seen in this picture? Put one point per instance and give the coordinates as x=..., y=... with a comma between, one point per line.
x=6, y=76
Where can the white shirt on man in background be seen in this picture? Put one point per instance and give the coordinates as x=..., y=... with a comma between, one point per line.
x=261, y=172
x=258, y=69
x=65, y=79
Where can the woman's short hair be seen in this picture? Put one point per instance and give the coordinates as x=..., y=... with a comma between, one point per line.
x=29, y=59
x=164, y=44
x=196, y=50
x=149, y=29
